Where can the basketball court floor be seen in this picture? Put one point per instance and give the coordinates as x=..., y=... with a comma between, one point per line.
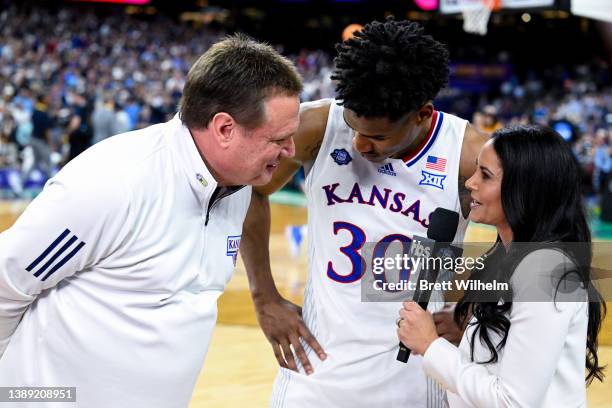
x=240, y=366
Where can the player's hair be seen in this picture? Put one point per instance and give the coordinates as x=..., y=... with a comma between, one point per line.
x=236, y=75
x=389, y=69
x=558, y=217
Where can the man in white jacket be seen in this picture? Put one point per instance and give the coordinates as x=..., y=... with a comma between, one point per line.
x=109, y=280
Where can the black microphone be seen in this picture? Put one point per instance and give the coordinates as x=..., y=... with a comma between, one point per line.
x=443, y=225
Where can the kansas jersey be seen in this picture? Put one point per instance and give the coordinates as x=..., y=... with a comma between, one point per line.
x=351, y=202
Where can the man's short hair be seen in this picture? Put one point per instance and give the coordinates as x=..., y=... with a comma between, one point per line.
x=235, y=76
x=389, y=69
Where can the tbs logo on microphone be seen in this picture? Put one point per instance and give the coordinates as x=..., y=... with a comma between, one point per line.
x=419, y=250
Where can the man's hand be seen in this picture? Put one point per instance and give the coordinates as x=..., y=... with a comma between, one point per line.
x=281, y=322
x=446, y=326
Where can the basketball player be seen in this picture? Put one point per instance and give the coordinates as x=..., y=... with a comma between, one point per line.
x=110, y=278
x=379, y=160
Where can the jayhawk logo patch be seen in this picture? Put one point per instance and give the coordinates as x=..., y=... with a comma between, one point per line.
x=341, y=156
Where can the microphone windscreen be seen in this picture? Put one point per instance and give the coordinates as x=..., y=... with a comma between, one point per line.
x=443, y=225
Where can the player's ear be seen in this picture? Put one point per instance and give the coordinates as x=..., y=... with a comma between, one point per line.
x=425, y=112
x=223, y=128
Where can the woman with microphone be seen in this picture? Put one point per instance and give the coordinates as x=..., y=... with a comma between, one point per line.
x=533, y=344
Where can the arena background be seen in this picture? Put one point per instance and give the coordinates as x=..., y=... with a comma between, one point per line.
x=75, y=72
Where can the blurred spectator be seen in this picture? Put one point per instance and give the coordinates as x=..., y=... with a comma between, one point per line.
x=602, y=159
x=41, y=142
x=10, y=177
x=41, y=121
x=23, y=122
x=490, y=122
x=122, y=120
x=103, y=119
x=487, y=120
x=79, y=127
x=8, y=150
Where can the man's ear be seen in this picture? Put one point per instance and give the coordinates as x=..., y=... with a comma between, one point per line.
x=425, y=112
x=223, y=128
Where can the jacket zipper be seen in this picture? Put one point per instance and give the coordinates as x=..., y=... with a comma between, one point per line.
x=216, y=197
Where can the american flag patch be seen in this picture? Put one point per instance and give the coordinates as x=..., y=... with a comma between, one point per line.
x=436, y=163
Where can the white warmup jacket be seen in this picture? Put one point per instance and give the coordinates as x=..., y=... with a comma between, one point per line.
x=110, y=278
x=543, y=362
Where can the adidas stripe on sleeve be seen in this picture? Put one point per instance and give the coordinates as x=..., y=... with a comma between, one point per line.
x=70, y=226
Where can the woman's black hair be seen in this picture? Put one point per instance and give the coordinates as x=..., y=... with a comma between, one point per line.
x=542, y=202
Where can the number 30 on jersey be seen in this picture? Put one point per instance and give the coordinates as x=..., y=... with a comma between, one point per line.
x=352, y=252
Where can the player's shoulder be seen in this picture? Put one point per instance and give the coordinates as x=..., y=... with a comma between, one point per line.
x=316, y=108
x=473, y=135
x=313, y=116
x=313, y=124
x=473, y=140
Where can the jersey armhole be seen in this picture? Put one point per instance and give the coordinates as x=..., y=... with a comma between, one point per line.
x=464, y=219
x=309, y=166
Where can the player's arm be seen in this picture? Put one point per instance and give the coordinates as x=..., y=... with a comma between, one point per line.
x=281, y=320
x=472, y=143
x=63, y=231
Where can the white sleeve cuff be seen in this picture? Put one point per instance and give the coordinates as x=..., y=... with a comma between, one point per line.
x=440, y=361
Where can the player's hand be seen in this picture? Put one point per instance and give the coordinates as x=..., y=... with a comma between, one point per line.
x=446, y=325
x=281, y=322
x=416, y=328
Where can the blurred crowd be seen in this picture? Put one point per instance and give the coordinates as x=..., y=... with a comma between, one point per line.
x=575, y=101
x=69, y=79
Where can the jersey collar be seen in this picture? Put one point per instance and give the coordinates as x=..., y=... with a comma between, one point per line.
x=425, y=145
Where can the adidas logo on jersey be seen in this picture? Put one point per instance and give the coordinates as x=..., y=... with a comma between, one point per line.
x=387, y=169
